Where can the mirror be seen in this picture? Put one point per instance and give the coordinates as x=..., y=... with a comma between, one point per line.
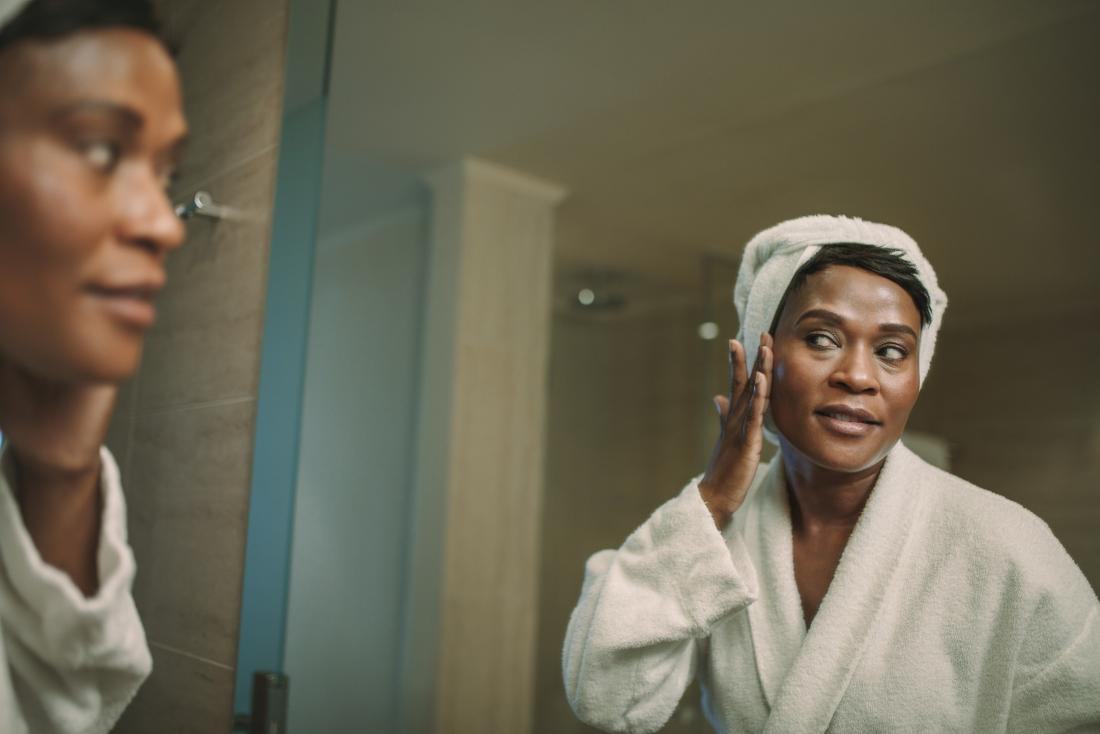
x=528, y=225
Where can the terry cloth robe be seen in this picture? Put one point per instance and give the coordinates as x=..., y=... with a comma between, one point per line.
x=68, y=663
x=952, y=610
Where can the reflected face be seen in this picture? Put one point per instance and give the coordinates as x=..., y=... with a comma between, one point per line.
x=90, y=130
x=846, y=373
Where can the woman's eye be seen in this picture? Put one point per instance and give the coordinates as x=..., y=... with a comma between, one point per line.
x=820, y=341
x=893, y=353
x=102, y=155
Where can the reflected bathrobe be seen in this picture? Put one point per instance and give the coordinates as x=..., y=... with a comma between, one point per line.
x=952, y=610
x=68, y=663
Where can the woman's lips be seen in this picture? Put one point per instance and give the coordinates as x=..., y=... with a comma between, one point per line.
x=847, y=422
x=132, y=306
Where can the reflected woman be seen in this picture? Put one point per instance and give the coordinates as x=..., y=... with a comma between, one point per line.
x=848, y=585
x=91, y=125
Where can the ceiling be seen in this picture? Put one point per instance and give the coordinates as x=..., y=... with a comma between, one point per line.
x=680, y=129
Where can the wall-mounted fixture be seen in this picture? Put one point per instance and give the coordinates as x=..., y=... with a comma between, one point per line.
x=202, y=204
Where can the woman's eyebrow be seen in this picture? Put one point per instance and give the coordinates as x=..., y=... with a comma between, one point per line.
x=898, y=329
x=836, y=319
x=821, y=313
x=124, y=115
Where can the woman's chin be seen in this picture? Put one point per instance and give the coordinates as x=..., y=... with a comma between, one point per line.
x=119, y=368
x=839, y=455
x=108, y=363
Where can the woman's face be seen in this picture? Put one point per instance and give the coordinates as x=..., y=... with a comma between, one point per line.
x=846, y=369
x=91, y=126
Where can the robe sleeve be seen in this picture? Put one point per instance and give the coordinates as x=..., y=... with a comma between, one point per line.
x=1056, y=686
x=632, y=645
x=74, y=662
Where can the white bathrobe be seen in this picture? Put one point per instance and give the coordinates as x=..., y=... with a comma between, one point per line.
x=67, y=663
x=952, y=610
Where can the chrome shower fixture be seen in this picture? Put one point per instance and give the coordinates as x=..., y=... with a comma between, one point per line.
x=202, y=204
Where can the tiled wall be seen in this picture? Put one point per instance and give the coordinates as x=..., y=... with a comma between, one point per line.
x=183, y=431
x=478, y=469
x=1018, y=403
x=629, y=424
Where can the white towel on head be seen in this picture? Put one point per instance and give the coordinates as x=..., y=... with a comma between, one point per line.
x=772, y=257
x=9, y=9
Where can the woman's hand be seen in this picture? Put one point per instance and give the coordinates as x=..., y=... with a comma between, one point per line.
x=54, y=432
x=736, y=454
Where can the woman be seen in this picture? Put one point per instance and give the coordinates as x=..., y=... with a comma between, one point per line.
x=848, y=586
x=90, y=128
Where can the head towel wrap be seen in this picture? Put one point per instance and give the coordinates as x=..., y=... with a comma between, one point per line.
x=10, y=8
x=772, y=257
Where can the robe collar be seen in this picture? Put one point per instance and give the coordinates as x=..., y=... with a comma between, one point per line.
x=804, y=674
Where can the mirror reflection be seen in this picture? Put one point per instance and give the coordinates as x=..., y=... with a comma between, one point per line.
x=503, y=384
x=531, y=222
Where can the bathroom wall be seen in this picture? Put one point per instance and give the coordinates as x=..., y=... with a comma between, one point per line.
x=183, y=431
x=629, y=423
x=1017, y=400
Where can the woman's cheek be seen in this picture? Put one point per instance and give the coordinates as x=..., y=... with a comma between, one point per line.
x=782, y=393
x=68, y=220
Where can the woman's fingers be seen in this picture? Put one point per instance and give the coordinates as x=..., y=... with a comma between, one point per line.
x=752, y=419
x=760, y=400
x=736, y=454
x=749, y=393
x=745, y=419
x=752, y=422
x=767, y=363
x=722, y=405
x=767, y=353
x=738, y=370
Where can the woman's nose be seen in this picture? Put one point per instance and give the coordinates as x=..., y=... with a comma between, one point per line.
x=148, y=217
x=855, y=372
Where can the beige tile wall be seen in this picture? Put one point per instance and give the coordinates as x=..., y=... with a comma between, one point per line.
x=183, y=431
x=629, y=423
x=479, y=458
x=1019, y=405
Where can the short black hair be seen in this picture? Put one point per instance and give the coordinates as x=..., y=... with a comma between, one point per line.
x=47, y=20
x=889, y=263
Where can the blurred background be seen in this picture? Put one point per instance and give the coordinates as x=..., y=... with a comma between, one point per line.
x=498, y=291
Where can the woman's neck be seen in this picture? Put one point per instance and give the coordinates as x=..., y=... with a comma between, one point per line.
x=823, y=499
